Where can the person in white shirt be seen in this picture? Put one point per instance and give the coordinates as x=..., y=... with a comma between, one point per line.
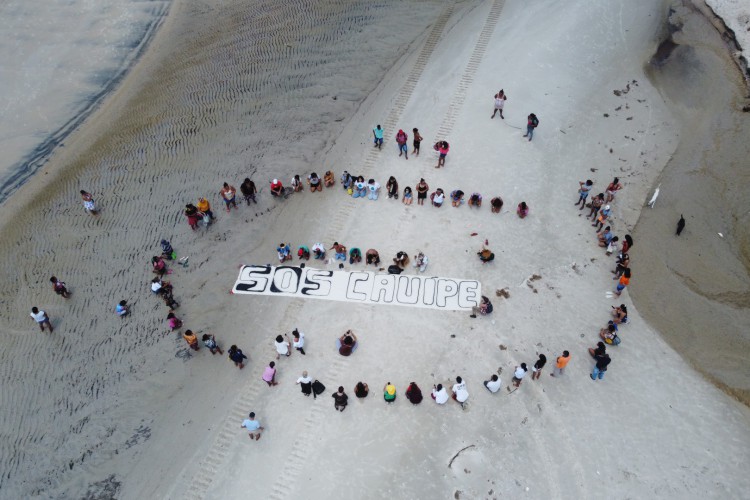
x=41, y=318
x=519, y=374
x=374, y=189
x=439, y=394
x=299, y=341
x=283, y=346
x=421, y=261
x=305, y=382
x=460, y=394
x=319, y=251
x=493, y=384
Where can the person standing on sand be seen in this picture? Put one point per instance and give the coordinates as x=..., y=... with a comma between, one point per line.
x=248, y=190
x=602, y=362
x=269, y=374
x=237, y=356
x=88, y=203
x=601, y=348
x=228, y=194
x=41, y=319
x=283, y=346
x=193, y=216
x=531, y=123
x=191, y=339
x=299, y=341
x=210, y=342
x=422, y=189
x=519, y=374
x=205, y=207
x=596, y=204
x=377, y=133
x=624, y=281
x=59, y=287
x=401, y=140
x=442, y=147
x=500, y=99
x=562, y=362
x=305, y=382
x=252, y=425
x=340, y=399
x=583, y=192
x=417, y=138
x=602, y=218
x=536, y=372
x=347, y=343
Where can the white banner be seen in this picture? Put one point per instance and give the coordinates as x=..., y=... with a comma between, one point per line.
x=365, y=287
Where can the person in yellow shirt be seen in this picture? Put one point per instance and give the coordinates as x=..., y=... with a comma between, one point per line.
x=191, y=339
x=205, y=207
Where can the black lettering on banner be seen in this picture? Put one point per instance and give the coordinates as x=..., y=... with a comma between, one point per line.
x=383, y=284
x=429, y=292
x=286, y=279
x=445, y=288
x=467, y=294
x=254, y=279
x=317, y=283
x=354, y=281
x=407, y=291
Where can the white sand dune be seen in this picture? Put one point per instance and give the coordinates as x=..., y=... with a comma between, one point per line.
x=137, y=414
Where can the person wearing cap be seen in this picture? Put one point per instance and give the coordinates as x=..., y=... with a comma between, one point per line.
x=439, y=394
x=285, y=252
x=305, y=382
x=389, y=393
x=276, y=188
x=603, y=214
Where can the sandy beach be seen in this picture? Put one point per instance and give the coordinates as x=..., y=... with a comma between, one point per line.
x=109, y=407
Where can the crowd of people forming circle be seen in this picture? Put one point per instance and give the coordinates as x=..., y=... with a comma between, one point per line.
x=600, y=210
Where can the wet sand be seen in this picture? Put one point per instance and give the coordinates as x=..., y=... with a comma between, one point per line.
x=694, y=288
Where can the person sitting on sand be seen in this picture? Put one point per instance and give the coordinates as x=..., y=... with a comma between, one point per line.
x=620, y=314
x=296, y=184
x=612, y=245
x=88, y=202
x=159, y=266
x=605, y=236
x=457, y=197
x=389, y=393
x=437, y=197
x=210, y=342
x=602, y=218
x=329, y=179
x=484, y=308
x=392, y=188
x=339, y=251
x=596, y=204
x=408, y=197
x=284, y=251
x=319, y=251
x=601, y=348
x=167, y=252
x=252, y=425
x=305, y=383
x=414, y=393
x=439, y=394
x=59, y=287
x=609, y=334
x=346, y=180
x=248, y=190
x=303, y=252
x=237, y=356
x=277, y=189
x=612, y=189
x=269, y=374
x=497, y=204
x=347, y=343
x=460, y=394
x=401, y=259
x=522, y=210
x=173, y=321
x=374, y=189
x=360, y=188
x=493, y=384
x=283, y=346
x=122, y=308
x=485, y=254
x=372, y=257
x=316, y=184
x=340, y=399
x=475, y=200
x=421, y=261
x=361, y=390
x=355, y=256
x=191, y=339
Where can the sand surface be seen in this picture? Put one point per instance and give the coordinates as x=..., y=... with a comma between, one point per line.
x=113, y=407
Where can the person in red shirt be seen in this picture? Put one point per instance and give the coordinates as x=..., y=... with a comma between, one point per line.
x=276, y=188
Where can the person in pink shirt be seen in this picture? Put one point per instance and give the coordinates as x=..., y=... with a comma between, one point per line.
x=269, y=374
x=442, y=147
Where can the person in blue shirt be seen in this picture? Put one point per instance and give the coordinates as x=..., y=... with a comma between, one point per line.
x=377, y=133
x=122, y=308
x=285, y=252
